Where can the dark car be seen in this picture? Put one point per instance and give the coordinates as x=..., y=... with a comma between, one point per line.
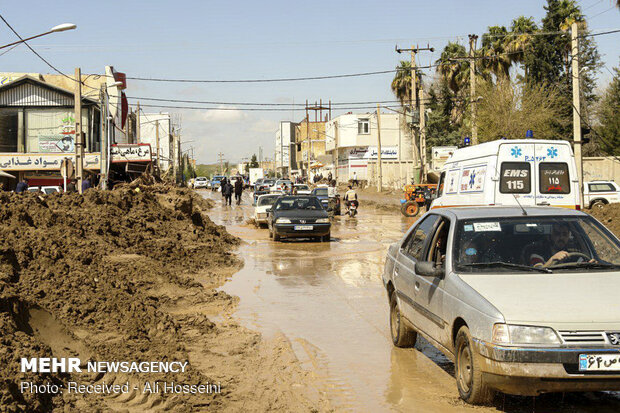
x=330, y=203
x=298, y=216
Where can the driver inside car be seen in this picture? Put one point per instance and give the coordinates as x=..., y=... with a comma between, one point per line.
x=557, y=248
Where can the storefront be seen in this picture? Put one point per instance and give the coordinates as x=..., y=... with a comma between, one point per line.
x=37, y=132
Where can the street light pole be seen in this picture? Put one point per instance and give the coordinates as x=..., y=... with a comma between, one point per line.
x=60, y=28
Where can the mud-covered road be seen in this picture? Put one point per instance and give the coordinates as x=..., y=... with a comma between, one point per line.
x=328, y=300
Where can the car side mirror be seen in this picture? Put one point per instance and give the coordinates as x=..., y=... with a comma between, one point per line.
x=429, y=269
x=268, y=209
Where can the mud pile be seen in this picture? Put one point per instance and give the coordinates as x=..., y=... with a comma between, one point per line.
x=89, y=275
x=608, y=215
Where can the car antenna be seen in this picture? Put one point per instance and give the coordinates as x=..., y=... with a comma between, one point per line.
x=520, y=206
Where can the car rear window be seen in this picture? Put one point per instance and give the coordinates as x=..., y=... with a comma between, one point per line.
x=602, y=187
x=321, y=192
x=515, y=178
x=267, y=200
x=554, y=178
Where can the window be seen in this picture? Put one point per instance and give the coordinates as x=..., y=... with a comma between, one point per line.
x=554, y=178
x=515, y=178
x=414, y=246
x=363, y=126
x=602, y=187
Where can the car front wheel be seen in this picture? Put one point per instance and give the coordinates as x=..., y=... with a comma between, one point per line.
x=402, y=336
x=469, y=380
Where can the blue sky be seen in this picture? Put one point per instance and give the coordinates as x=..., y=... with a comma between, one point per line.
x=253, y=40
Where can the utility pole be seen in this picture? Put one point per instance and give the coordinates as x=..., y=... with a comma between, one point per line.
x=379, y=172
x=422, y=135
x=138, y=122
x=79, y=143
x=415, y=132
x=472, y=87
x=576, y=107
x=336, y=150
x=220, y=158
x=157, y=145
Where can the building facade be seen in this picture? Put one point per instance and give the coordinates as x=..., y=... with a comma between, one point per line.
x=37, y=131
x=156, y=130
x=285, y=151
x=352, y=141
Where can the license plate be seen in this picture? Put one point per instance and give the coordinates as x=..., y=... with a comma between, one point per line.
x=599, y=362
x=303, y=227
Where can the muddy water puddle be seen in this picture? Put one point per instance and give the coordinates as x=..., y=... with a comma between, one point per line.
x=329, y=301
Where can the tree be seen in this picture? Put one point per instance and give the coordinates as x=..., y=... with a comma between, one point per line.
x=609, y=117
x=508, y=110
x=494, y=54
x=401, y=84
x=520, y=38
x=254, y=162
x=453, y=68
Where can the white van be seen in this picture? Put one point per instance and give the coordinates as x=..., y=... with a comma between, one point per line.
x=510, y=172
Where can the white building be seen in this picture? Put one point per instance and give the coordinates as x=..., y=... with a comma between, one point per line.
x=352, y=141
x=149, y=124
x=285, y=147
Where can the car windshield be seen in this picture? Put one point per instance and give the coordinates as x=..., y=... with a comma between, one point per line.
x=201, y=179
x=302, y=187
x=50, y=190
x=320, y=192
x=545, y=244
x=267, y=200
x=289, y=203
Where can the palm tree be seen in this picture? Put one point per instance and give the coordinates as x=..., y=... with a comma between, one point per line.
x=494, y=57
x=452, y=67
x=401, y=84
x=520, y=37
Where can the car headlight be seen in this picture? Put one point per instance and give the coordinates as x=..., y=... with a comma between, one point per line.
x=322, y=221
x=283, y=221
x=513, y=334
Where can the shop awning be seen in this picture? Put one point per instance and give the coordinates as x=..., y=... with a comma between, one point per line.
x=4, y=174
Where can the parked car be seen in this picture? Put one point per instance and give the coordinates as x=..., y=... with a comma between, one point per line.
x=599, y=193
x=487, y=287
x=51, y=189
x=303, y=189
x=298, y=216
x=263, y=203
x=200, y=182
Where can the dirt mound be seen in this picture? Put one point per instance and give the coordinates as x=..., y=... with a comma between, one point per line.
x=102, y=266
x=608, y=215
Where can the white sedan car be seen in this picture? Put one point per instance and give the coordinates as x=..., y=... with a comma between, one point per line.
x=263, y=203
x=201, y=182
x=303, y=189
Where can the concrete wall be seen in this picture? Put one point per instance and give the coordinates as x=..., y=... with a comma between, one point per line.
x=601, y=168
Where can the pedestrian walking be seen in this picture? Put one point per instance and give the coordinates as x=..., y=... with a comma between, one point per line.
x=22, y=186
x=238, y=190
x=227, y=191
x=355, y=182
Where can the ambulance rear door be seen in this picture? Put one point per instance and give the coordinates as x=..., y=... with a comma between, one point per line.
x=514, y=174
x=555, y=175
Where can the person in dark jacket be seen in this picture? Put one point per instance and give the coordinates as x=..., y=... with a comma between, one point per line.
x=227, y=191
x=238, y=190
x=86, y=184
x=71, y=186
x=22, y=186
x=223, y=183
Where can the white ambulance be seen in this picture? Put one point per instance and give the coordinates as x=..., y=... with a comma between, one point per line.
x=510, y=172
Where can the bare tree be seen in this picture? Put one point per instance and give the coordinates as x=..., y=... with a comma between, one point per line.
x=508, y=110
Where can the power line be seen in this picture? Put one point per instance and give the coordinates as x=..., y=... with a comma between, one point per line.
x=289, y=105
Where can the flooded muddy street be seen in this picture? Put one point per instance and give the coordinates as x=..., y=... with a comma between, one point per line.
x=329, y=301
